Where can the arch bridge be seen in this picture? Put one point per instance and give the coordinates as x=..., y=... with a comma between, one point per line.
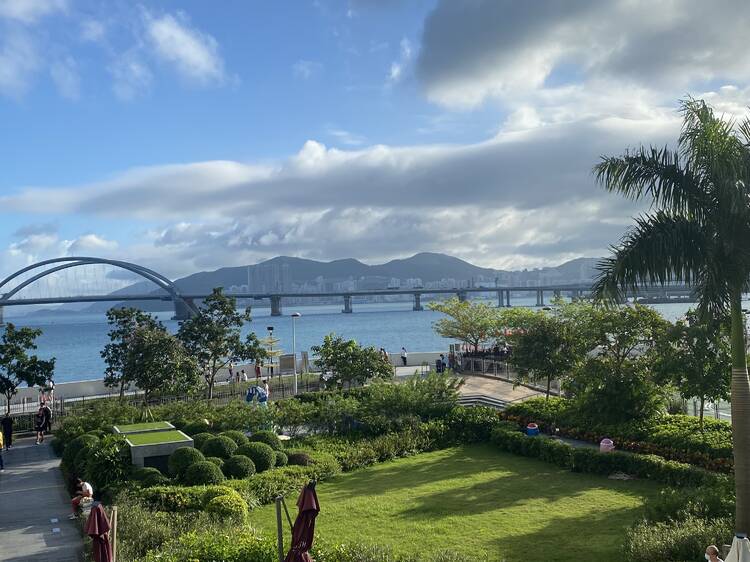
x=183, y=307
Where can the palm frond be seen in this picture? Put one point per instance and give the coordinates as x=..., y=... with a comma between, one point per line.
x=662, y=247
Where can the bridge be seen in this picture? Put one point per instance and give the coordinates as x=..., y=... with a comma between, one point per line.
x=185, y=304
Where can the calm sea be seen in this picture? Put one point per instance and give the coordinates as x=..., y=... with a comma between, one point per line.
x=75, y=340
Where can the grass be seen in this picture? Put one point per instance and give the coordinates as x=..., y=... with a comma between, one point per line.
x=478, y=502
x=136, y=427
x=151, y=437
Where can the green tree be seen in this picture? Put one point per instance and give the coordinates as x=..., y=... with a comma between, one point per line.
x=614, y=383
x=696, y=358
x=122, y=323
x=213, y=336
x=473, y=323
x=697, y=232
x=545, y=346
x=17, y=367
x=350, y=363
x=157, y=361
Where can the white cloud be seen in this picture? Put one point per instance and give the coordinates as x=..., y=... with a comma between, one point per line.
x=28, y=11
x=194, y=54
x=306, y=68
x=65, y=74
x=397, y=67
x=19, y=62
x=131, y=77
x=93, y=30
x=345, y=137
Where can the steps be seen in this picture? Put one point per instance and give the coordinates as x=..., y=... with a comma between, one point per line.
x=482, y=400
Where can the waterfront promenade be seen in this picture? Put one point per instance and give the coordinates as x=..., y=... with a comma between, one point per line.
x=34, y=507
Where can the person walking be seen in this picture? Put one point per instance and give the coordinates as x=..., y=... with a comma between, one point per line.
x=231, y=371
x=404, y=356
x=267, y=390
x=442, y=363
x=2, y=444
x=39, y=425
x=257, y=372
x=244, y=376
x=47, y=417
x=7, y=427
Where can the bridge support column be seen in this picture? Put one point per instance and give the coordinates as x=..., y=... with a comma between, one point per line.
x=461, y=296
x=540, y=297
x=275, y=305
x=418, y=302
x=2, y=322
x=183, y=309
x=499, y=299
x=347, y=304
x=507, y=298
x=556, y=293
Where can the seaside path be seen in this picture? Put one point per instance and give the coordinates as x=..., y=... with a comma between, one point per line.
x=34, y=507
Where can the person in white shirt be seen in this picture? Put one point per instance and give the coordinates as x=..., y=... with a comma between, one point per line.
x=712, y=554
x=84, y=491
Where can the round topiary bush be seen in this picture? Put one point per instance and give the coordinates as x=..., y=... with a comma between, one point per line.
x=217, y=461
x=220, y=446
x=238, y=466
x=281, y=458
x=199, y=439
x=236, y=436
x=211, y=492
x=299, y=458
x=196, y=427
x=157, y=479
x=263, y=456
x=267, y=437
x=75, y=446
x=229, y=506
x=140, y=474
x=182, y=458
x=203, y=473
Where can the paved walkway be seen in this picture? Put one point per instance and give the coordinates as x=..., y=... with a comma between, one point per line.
x=34, y=507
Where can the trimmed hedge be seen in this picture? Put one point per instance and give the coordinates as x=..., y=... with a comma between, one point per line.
x=199, y=439
x=196, y=427
x=682, y=540
x=237, y=436
x=229, y=506
x=267, y=437
x=590, y=460
x=298, y=458
x=262, y=455
x=220, y=446
x=182, y=458
x=238, y=466
x=78, y=444
x=203, y=472
x=281, y=459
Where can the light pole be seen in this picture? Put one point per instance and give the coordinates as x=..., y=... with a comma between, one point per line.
x=295, y=315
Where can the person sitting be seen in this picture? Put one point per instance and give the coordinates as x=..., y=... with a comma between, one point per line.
x=712, y=553
x=83, y=490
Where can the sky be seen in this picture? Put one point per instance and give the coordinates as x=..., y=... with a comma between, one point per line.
x=192, y=135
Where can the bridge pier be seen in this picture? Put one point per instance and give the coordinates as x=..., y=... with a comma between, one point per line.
x=461, y=296
x=183, y=309
x=2, y=322
x=540, y=297
x=556, y=293
x=275, y=305
x=417, y=302
x=347, y=304
x=507, y=298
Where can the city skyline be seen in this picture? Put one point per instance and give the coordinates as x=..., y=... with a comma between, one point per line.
x=185, y=138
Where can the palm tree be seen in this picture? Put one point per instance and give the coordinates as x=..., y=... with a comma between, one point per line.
x=697, y=232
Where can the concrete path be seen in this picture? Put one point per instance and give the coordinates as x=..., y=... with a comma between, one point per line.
x=34, y=507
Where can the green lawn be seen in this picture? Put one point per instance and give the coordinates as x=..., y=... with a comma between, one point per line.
x=136, y=427
x=152, y=437
x=478, y=501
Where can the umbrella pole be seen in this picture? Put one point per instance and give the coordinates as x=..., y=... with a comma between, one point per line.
x=114, y=534
x=279, y=529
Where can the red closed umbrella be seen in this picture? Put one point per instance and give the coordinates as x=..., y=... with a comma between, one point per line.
x=97, y=527
x=304, y=525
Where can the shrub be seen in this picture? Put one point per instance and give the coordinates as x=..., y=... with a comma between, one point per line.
x=157, y=479
x=210, y=546
x=217, y=461
x=203, y=472
x=281, y=459
x=196, y=427
x=238, y=466
x=705, y=502
x=140, y=474
x=75, y=446
x=229, y=506
x=262, y=455
x=182, y=458
x=267, y=437
x=108, y=464
x=237, y=436
x=179, y=498
x=221, y=446
x=646, y=541
x=299, y=458
x=199, y=439
x=81, y=460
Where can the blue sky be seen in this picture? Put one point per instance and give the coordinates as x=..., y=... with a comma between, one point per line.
x=191, y=135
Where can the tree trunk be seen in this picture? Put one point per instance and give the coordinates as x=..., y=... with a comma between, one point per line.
x=740, y=416
x=703, y=403
x=122, y=389
x=549, y=384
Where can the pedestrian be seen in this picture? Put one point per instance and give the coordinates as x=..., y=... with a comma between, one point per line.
x=7, y=426
x=237, y=377
x=86, y=491
x=442, y=363
x=712, y=554
x=267, y=389
x=47, y=417
x=231, y=367
x=257, y=372
x=244, y=376
x=39, y=425
x=2, y=444
x=404, y=356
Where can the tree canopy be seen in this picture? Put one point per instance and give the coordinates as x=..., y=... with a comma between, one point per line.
x=347, y=363
x=473, y=323
x=17, y=366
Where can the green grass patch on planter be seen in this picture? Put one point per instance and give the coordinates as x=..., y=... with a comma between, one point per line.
x=480, y=502
x=152, y=437
x=149, y=426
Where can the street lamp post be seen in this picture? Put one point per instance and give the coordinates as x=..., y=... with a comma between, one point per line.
x=295, y=315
